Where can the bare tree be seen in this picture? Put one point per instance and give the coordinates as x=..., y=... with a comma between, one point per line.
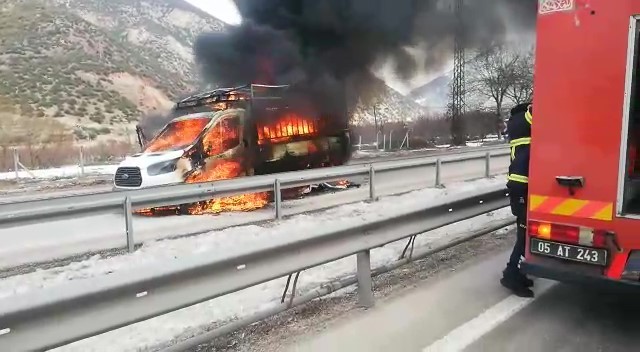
x=521, y=89
x=493, y=73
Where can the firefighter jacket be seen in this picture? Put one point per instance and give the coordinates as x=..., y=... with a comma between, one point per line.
x=519, y=130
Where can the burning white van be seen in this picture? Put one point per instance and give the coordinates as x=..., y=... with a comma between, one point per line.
x=228, y=133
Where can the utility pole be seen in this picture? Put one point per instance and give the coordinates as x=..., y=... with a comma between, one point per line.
x=375, y=117
x=458, y=84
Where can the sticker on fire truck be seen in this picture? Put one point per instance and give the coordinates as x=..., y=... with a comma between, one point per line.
x=550, y=6
x=579, y=208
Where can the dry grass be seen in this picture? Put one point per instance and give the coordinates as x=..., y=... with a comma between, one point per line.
x=48, y=155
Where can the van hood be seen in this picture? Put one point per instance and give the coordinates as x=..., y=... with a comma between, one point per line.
x=144, y=160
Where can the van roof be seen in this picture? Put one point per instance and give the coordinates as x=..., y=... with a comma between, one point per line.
x=195, y=115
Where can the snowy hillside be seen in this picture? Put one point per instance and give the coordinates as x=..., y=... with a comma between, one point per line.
x=390, y=106
x=435, y=94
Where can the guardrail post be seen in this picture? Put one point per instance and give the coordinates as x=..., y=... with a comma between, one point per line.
x=16, y=163
x=372, y=184
x=277, y=197
x=81, y=160
x=128, y=219
x=438, y=167
x=365, y=286
x=487, y=165
x=359, y=142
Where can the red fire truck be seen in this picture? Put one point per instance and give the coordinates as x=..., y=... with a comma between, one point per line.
x=584, y=188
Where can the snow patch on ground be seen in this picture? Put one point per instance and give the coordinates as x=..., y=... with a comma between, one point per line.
x=481, y=142
x=73, y=171
x=240, y=239
x=61, y=172
x=376, y=153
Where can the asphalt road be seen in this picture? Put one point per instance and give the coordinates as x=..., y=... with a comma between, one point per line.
x=467, y=310
x=569, y=318
x=43, y=192
x=59, y=239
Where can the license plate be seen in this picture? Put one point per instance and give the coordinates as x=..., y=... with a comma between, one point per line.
x=580, y=254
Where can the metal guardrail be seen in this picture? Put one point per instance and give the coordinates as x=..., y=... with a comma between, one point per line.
x=416, y=154
x=60, y=315
x=408, y=256
x=125, y=202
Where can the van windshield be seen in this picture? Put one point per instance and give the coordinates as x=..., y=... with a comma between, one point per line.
x=179, y=134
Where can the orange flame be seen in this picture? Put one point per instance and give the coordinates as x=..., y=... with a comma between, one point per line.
x=225, y=169
x=178, y=134
x=217, y=140
x=226, y=104
x=235, y=96
x=219, y=106
x=220, y=138
x=288, y=126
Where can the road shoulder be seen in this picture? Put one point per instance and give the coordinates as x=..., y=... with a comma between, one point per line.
x=323, y=319
x=414, y=319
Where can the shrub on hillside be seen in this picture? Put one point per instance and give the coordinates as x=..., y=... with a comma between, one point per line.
x=92, y=134
x=97, y=117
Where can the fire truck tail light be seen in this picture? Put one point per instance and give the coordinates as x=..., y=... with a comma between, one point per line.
x=544, y=230
x=600, y=239
x=567, y=234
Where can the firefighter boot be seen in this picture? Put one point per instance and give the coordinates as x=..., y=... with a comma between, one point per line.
x=525, y=280
x=513, y=280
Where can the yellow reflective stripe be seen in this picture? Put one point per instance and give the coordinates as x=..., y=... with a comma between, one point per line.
x=518, y=178
x=520, y=141
x=513, y=153
x=528, y=116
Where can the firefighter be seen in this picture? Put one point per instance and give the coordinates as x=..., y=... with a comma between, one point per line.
x=519, y=132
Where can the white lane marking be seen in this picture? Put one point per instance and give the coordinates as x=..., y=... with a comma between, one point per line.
x=466, y=334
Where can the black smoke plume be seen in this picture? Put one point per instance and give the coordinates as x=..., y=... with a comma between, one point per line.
x=327, y=47
x=328, y=43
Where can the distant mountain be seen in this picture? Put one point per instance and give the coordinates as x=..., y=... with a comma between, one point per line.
x=435, y=94
x=390, y=106
x=87, y=70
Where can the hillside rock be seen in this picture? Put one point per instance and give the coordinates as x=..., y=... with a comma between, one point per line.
x=95, y=66
x=89, y=69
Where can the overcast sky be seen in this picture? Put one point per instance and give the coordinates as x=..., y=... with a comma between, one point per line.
x=223, y=9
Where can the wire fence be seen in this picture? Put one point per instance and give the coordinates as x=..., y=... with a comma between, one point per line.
x=51, y=155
